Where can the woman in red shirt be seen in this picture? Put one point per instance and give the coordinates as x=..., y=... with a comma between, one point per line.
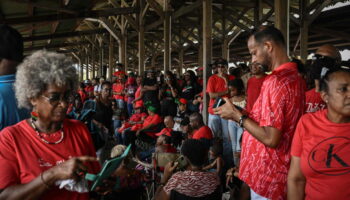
x=46, y=156
x=320, y=150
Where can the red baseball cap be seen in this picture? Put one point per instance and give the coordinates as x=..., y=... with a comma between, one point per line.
x=182, y=101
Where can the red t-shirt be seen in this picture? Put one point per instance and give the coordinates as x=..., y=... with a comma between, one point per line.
x=118, y=87
x=313, y=101
x=137, y=117
x=279, y=105
x=89, y=89
x=203, y=132
x=253, y=90
x=23, y=156
x=154, y=120
x=137, y=95
x=216, y=84
x=323, y=148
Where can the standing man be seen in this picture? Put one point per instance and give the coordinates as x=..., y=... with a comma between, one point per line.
x=11, y=54
x=217, y=88
x=254, y=84
x=270, y=126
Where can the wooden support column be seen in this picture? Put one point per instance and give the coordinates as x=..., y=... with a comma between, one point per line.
x=100, y=61
x=181, y=60
x=141, y=44
x=304, y=29
x=83, y=61
x=87, y=64
x=258, y=12
x=93, y=62
x=111, y=58
x=153, y=61
x=122, y=45
x=167, y=36
x=207, y=52
x=200, y=55
x=225, y=50
x=282, y=19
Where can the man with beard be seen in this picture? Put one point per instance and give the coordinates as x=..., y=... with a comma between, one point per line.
x=270, y=126
x=254, y=84
x=325, y=56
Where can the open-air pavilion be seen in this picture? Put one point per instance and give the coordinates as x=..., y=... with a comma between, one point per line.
x=169, y=34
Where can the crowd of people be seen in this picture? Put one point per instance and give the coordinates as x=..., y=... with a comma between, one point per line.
x=276, y=129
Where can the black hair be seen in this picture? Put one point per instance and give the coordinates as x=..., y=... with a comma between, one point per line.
x=268, y=32
x=217, y=147
x=220, y=61
x=167, y=139
x=185, y=121
x=238, y=84
x=82, y=85
x=327, y=76
x=195, y=151
x=11, y=43
x=300, y=66
x=106, y=83
x=235, y=71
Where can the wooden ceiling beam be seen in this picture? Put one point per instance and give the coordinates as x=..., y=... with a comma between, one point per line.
x=55, y=46
x=40, y=5
x=65, y=35
x=80, y=15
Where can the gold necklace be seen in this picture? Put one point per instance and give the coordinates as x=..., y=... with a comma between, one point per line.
x=42, y=139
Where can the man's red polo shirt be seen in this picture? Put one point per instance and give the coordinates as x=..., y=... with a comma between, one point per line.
x=279, y=105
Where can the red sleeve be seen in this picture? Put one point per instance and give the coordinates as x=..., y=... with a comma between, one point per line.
x=297, y=145
x=211, y=84
x=273, y=104
x=9, y=171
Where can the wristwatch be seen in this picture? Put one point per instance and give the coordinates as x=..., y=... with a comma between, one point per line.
x=241, y=120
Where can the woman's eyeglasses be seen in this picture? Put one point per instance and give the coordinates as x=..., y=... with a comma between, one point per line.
x=55, y=98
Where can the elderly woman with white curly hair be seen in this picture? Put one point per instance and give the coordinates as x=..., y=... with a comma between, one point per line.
x=46, y=156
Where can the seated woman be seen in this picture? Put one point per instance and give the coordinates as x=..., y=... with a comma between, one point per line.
x=194, y=182
x=148, y=129
x=134, y=121
x=320, y=161
x=46, y=156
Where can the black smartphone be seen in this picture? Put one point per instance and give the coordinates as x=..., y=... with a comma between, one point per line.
x=219, y=102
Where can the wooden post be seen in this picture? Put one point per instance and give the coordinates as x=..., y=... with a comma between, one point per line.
x=167, y=36
x=207, y=52
x=225, y=50
x=200, y=55
x=93, y=62
x=122, y=45
x=87, y=64
x=111, y=58
x=181, y=60
x=99, y=71
x=141, y=43
x=258, y=12
x=282, y=19
x=304, y=29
